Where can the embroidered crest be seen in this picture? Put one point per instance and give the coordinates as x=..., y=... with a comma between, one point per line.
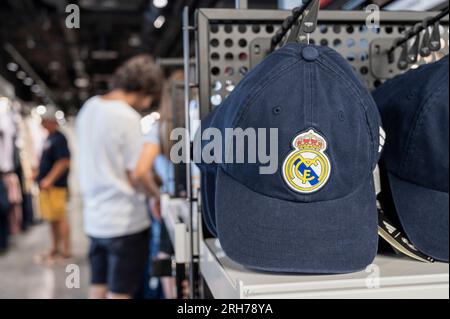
x=307, y=168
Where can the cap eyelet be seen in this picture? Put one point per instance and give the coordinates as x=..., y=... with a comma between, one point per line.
x=341, y=116
x=276, y=110
x=411, y=95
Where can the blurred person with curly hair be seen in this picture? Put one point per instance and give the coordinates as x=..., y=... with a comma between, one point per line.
x=115, y=212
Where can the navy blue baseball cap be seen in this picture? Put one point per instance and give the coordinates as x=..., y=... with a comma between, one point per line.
x=317, y=213
x=415, y=110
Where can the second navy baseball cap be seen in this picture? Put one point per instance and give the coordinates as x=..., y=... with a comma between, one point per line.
x=415, y=112
x=317, y=213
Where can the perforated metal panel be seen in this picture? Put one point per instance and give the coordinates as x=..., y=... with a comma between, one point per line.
x=231, y=42
x=230, y=54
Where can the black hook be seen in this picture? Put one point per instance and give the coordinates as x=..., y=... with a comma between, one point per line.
x=295, y=30
x=435, y=41
x=424, y=50
x=306, y=22
x=391, y=53
x=311, y=15
x=414, y=50
x=287, y=24
x=402, y=63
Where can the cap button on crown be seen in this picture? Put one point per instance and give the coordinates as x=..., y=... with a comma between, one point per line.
x=310, y=53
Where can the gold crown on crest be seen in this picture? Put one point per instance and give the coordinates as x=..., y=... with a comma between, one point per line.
x=309, y=140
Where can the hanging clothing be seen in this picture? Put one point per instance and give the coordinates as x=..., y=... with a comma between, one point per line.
x=4, y=200
x=33, y=137
x=27, y=156
x=13, y=188
x=14, y=191
x=4, y=212
x=38, y=137
x=7, y=135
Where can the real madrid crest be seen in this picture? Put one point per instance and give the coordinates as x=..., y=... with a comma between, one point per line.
x=307, y=168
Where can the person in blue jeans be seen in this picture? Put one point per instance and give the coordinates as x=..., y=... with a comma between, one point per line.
x=152, y=160
x=155, y=169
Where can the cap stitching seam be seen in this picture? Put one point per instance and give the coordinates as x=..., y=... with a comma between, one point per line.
x=352, y=86
x=306, y=197
x=355, y=93
x=311, y=122
x=368, y=127
x=254, y=86
x=241, y=115
x=419, y=119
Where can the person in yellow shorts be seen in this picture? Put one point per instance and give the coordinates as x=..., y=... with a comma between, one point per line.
x=53, y=203
x=52, y=178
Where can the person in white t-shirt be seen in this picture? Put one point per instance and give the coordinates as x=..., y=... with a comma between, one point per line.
x=115, y=213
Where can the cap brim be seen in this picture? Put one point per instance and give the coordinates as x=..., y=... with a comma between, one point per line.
x=423, y=213
x=268, y=234
x=208, y=189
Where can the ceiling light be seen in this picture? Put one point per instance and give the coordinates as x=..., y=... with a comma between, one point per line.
x=21, y=75
x=81, y=83
x=41, y=109
x=35, y=88
x=159, y=22
x=13, y=67
x=28, y=81
x=160, y=3
x=134, y=40
x=59, y=115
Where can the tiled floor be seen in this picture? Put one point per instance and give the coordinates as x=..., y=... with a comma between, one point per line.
x=20, y=277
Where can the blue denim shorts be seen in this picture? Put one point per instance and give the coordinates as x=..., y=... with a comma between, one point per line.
x=119, y=262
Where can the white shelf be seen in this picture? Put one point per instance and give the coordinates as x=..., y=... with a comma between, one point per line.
x=175, y=214
x=398, y=278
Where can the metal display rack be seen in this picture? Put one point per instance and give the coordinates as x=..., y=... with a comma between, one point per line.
x=230, y=42
x=175, y=215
